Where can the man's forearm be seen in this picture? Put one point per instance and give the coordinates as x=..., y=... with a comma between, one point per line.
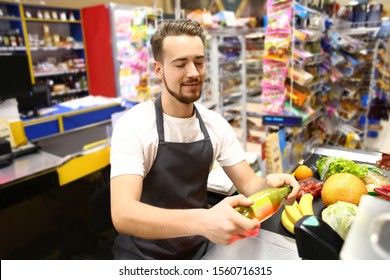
x=255, y=184
x=150, y=222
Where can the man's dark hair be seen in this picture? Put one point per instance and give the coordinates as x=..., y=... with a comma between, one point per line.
x=178, y=27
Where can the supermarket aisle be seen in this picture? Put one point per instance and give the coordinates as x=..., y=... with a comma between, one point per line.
x=382, y=142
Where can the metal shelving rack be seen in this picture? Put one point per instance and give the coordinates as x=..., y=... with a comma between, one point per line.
x=368, y=36
x=235, y=101
x=380, y=43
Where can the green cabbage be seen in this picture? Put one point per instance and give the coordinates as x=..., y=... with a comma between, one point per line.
x=339, y=216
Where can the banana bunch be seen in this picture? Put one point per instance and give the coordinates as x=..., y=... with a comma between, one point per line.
x=292, y=213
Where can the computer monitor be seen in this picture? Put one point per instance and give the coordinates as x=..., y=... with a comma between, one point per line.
x=15, y=76
x=39, y=97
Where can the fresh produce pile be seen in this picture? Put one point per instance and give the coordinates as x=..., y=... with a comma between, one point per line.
x=292, y=213
x=310, y=185
x=339, y=183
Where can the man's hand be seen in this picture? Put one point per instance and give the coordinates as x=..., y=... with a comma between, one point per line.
x=223, y=225
x=384, y=162
x=279, y=180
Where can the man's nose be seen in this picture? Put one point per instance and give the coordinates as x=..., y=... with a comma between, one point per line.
x=192, y=70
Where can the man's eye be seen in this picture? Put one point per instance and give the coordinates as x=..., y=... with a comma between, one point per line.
x=180, y=65
x=199, y=63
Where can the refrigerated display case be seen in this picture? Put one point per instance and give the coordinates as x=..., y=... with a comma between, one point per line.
x=119, y=54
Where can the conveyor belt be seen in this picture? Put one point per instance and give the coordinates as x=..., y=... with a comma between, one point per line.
x=72, y=142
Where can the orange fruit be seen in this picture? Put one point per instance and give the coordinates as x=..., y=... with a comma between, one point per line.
x=343, y=187
x=303, y=172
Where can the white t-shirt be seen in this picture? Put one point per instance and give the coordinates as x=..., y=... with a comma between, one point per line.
x=134, y=141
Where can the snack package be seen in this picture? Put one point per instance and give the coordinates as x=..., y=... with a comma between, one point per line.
x=277, y=45
x=202, y=17
x=336, y=40
x=225, y=18
x=300, y=76
x=301, y=11
x=335, y=74
x=300, y=35
x=353, y=45
x=302, y=57
x=336, y=58
x=272, y=99
x=274, y=72
x=298, y=98
x=279, y=15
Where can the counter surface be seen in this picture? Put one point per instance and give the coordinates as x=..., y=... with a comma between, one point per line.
x=266, y=245
x=53, y=152
x=28, y=166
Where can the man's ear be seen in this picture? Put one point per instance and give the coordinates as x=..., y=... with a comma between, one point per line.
x=158, y=70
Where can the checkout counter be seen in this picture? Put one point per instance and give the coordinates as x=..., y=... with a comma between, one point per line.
x=45, y=194
x=29, y=186
x=65, y=137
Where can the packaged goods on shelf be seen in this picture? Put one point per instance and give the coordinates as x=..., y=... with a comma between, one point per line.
x=273, y=155
x=300, y=76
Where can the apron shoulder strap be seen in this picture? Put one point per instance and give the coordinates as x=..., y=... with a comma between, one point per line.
x=159, y=119
x=201, y=123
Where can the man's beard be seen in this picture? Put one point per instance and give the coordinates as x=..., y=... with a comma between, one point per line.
x=180, y=97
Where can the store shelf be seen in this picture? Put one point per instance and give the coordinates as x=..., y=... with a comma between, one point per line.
x=59, y=73
x=11, y=28
x=5, y=18
x=52, y=20
x=360, y=31
x=355, y=76
x=235, y=71
x=33, y=49
x=317, y=114
x=55, y=41
x=70, y=91
x=12, y=49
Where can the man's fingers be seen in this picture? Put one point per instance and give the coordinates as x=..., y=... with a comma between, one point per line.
x=239, y=199
x=244, y=235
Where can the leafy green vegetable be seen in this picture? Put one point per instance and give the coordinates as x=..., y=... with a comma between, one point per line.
x=340, y=216
x=328, y=166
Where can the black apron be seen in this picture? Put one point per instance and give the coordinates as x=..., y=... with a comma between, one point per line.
x=176, y=180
